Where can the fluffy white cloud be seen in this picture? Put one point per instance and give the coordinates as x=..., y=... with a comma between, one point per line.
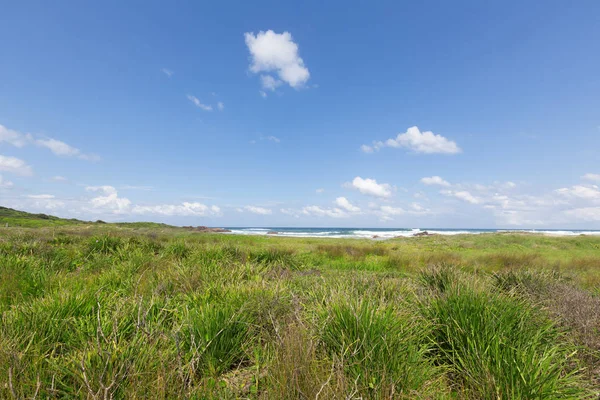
x=435, y=180
x=417, y=141
x=258, y=210
x=5, y=184
x=276, y=53
x=55, y=146
x=320, y=190
x=195, y=101
x=167, y=72
x=591, y=177
x=41, y=196
x=15, y=165
x=343, y=203
x=324, y=212
x=187, y=209
x=220, y=106
x=371, y=187
x=108, y=201
x=462, y=195
x=58, y=178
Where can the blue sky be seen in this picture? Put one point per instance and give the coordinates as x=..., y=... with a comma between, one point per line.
x=436, y=114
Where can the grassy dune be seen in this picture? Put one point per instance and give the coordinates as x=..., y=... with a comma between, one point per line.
x=102, y=311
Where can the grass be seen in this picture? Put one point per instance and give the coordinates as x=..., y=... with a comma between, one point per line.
x=92, y=310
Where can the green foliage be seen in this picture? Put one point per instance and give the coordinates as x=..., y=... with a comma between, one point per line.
x=93, y=310
x=216, y=336
x=501, y=347
x=382, y=350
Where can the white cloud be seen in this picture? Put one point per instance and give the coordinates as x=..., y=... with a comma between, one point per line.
x=277, y=53
x=57, y=147
x=273, y=139
x=417, y=141
x=389, y=210
x=58, y=178
x=14, y=138
x=462, y=195
x=366, y=149
x=220, y=106
x=585, y=213
x=198, y=103
x=591, y=177
x=167, y=72
x=270, y=83
x=289, y=211
x=263, y=94
x=435, y=180
x=5, y=184
x=343, y=203
x=188, y=209
x=320, y=190
x=258, y=210
x=109, y=201
x=324, y=212
x=587, y=192
x=45, y=202
x=135, y=187
x=15, y=165
x=371, y=187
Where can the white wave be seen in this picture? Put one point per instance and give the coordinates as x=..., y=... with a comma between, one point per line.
x=382, y=234
x=563, y=233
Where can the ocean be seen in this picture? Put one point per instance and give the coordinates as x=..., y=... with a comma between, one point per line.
x=388, y=233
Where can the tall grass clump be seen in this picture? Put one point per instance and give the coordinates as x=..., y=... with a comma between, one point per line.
x=500, y=347
x=381, y=350
x=104, y=244
x=216, y=337
x=439, y=278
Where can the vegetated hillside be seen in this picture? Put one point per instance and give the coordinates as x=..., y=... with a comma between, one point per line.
x=24, y=219
x=21, y=218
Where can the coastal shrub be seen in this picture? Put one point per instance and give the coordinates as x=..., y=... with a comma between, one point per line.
x=439, y=278
x=178, y=250
x=104, y=244
x=380, y=349
x=501, y=347
x=216, y=337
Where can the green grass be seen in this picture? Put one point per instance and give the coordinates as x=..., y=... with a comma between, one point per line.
x=92, y=310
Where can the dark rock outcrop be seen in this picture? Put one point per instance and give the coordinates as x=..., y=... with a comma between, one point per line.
x=206, y=229
x=424, y=233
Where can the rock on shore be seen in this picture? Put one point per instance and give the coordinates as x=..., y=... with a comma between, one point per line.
x=206, y=229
